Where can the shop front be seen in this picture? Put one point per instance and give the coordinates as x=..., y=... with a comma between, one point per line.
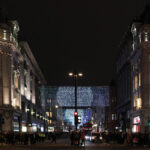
x=16, y=124
x=136, y=124
x=23, y=126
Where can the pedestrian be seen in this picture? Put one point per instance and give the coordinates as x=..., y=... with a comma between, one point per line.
x=76, y=139
x=82, y=138
x=53, y=138
x=72, y=138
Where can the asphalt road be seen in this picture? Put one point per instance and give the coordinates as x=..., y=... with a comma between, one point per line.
x=64, y=144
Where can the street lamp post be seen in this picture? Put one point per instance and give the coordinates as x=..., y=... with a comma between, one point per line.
x=75, y=75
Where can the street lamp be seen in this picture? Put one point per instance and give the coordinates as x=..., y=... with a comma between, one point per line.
x=75, y=76
x=56, y=106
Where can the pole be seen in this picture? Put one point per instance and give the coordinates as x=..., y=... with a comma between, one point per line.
x=75, y=82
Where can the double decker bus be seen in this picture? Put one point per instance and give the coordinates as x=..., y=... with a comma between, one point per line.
x=87, y=127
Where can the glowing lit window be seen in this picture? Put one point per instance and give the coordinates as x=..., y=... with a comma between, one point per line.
x=135, y=82
x=47, y=113
x=51, y=114
x=137, y=103
x=140, y=38
x=49, y=101
x=50, y=122
x=139, y=79
x=4, y=35
x=16, y=81
x=146, y=36
x=114, y=117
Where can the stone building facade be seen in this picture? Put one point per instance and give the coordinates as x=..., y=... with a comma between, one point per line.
x=124, y=82
x=21, y=108
x=140, y=63
x=133, y=72
x=111, y=120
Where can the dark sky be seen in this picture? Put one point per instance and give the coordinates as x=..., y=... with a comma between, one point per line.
x=74, y=34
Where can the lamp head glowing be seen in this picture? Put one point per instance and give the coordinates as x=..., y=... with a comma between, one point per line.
x=80, y=74
x=70, y=74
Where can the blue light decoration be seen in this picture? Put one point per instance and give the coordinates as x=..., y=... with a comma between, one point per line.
x=86, y=96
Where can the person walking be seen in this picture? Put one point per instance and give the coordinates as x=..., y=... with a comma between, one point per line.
x=72, y=137
x=82, y=138
x=53, y=138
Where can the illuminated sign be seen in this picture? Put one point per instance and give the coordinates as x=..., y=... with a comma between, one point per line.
x=24, y=129
x=50, y=129
x=136, y=128
x=136, y=120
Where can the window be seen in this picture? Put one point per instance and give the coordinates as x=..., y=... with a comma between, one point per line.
x=51, y=114
x=48, y=101
x=128, y=114
x=114, y=117
x=16, y=78
x=140, y=38
x=47, y=113
x=137, y=103
x=113, y=99
x=146, y=37
x=4, y=35
x=135, y=82
x=139, y=79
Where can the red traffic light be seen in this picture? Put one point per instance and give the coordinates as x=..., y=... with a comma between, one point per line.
x=75, y=113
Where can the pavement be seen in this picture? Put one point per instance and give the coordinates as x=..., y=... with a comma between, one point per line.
x=64, y=144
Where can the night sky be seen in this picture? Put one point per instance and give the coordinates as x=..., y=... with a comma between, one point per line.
x=74, y=34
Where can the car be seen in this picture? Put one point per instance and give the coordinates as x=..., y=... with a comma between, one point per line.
x=87, y=137
x=95, y=137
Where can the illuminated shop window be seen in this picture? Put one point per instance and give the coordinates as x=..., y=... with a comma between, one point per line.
x=136, y=128
x=136, y=124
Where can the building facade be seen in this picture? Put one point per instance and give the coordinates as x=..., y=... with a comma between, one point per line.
x=140, y=63
x=21, y=108
x=124, y=85
x=133, y=72
x=111, y=119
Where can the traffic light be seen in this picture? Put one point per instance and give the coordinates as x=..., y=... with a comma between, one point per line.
x=75, y=117
x=76, y=120
x=79, y=119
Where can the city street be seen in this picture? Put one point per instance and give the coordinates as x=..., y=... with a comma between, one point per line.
x=64, y=144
